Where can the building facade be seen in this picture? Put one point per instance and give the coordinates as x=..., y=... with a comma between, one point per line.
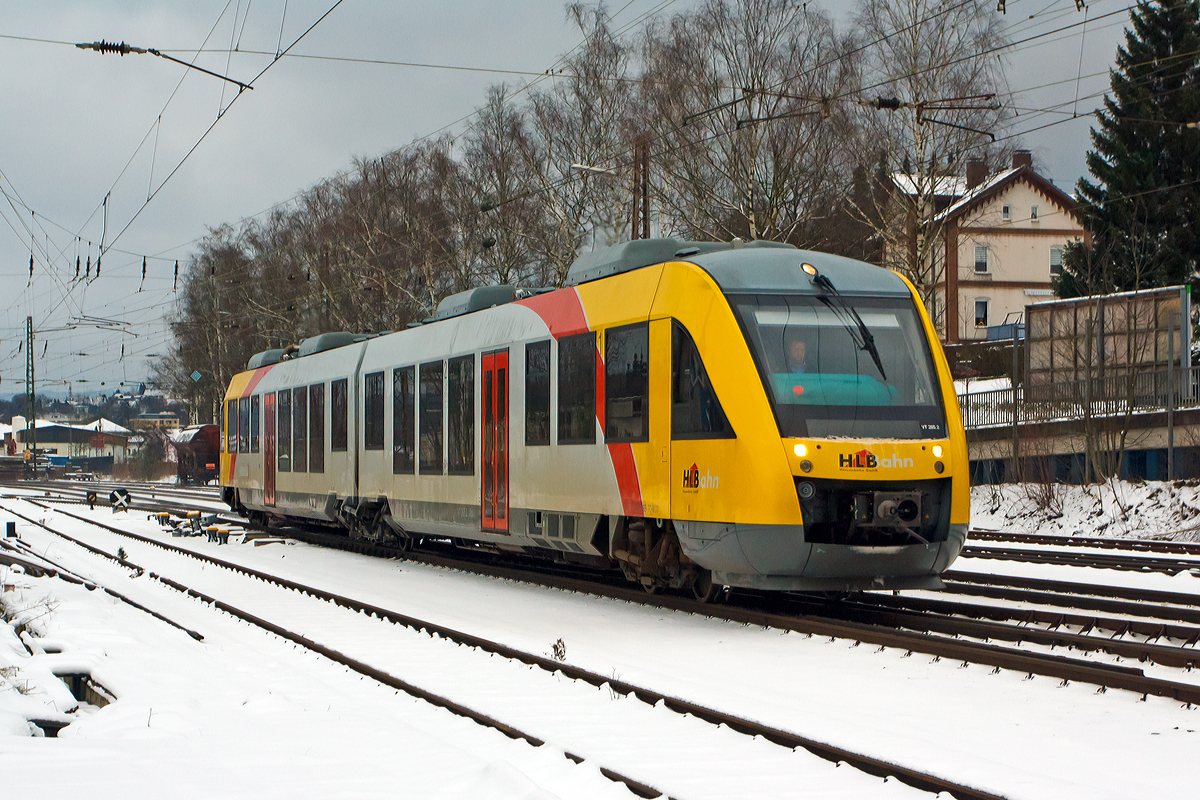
x=1003, y=244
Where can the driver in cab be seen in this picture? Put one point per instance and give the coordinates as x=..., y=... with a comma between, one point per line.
x=797, y=351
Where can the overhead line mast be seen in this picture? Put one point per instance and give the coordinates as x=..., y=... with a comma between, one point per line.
x=30, y=398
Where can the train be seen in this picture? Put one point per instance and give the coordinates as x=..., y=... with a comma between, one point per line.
x=197, y=449
x=696, y=415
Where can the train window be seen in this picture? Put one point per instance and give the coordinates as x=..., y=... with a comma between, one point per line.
x=577, y=389
x=431, y=418
x=403, y=422
x=696, y=412
x=255, y=421
x=243, y=439
x=339, y=404
x=537, y=393
x=626, y=383
x=231, y=426
x=373, y=412
x=316, y=427
x=283, y=428
x=856, y=367
x=300, y=429
x=460, y=410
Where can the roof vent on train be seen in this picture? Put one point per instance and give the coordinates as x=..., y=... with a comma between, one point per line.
x=640, y=253
x=328, y=341
x=264, y=359
x=477, y=299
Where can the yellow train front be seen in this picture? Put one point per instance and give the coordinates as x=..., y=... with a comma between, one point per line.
x=697, y=414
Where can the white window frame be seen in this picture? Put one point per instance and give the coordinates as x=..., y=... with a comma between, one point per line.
x=1006, y=213
x=1033, y=215
x=987, y=265
x=1059, y=249
x=979, y=300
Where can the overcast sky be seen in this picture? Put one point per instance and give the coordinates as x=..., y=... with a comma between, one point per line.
x=76, y=125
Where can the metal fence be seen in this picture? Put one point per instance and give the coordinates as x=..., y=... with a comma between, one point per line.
x=1144, y=390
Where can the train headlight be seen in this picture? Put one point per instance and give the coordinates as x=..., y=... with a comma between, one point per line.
x=937, y=451
x=810, y=269
x=806, y=490
x=800, y=450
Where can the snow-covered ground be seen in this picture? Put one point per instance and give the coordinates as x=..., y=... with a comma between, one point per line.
x=246, y=714
x=1149, y=510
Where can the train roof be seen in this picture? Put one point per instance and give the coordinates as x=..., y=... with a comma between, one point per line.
x=759, y=267
x=639, y=253
x=777, y=271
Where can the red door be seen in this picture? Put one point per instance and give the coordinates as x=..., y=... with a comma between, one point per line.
x=495, y=441
x=269, y=449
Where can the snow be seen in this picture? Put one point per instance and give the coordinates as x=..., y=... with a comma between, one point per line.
x=98, y=425
x=245, y=714
x=981, y=385
x=1148, y=510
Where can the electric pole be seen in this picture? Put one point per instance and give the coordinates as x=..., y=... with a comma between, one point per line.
x=30, y=398
x=640, y=215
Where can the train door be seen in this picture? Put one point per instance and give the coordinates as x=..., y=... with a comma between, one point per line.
x=269, y=449
x=654, y=461
x=495, y=441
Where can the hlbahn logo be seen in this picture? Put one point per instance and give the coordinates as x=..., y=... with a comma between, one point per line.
x=693, y=481
x=865, y=459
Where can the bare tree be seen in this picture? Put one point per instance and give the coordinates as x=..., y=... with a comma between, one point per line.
x=937, y=59
x=583, y=119
x=738, y=97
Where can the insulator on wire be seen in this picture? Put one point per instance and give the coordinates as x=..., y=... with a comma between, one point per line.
x=176, y=286
x=97, y=266
x=76, y=267
x=885, y=103
x=31, y=267
x=143, y=273
x=88, y=274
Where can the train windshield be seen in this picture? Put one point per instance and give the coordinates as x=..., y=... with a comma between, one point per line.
x=823, y=380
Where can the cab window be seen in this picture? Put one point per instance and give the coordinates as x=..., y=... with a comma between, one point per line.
x=696, y=412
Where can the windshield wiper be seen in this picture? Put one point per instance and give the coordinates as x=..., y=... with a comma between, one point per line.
x=867, y=341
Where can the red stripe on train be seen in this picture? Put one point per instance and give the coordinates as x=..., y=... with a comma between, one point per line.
x=562, y=311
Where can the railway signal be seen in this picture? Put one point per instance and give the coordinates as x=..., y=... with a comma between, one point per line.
x=119, y=499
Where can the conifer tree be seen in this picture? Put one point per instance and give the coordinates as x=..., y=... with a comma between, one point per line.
x=1141, y=210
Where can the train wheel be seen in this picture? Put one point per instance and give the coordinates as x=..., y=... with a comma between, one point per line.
x=703, y=588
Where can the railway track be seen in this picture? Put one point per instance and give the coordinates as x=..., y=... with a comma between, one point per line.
x=940, y=628
x=991, y=623
x=1134, y=545
x=1166, y=565
x=321, y=637
x=937, y=635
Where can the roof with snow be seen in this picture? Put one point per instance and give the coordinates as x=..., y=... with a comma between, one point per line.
x=943, y=186
x=997, y=183
x=100, y=425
